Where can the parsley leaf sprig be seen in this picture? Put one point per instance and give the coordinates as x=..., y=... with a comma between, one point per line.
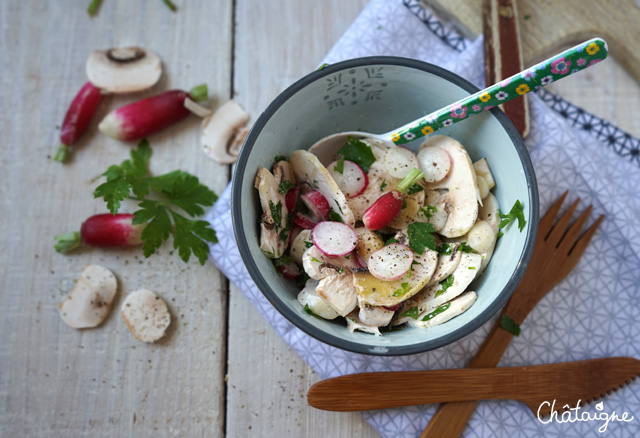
x=358, y=152
x=421, y=236
x=174, y=193
x=516, y=212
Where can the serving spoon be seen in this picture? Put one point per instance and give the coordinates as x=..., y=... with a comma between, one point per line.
x=555, y=68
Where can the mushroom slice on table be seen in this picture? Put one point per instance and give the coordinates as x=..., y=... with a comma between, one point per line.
x=90, y=299
x=146, y=315
x=274, y=230
x=223, y=132
x=445, y=312
x=309, y=169
x=459, y=187
x=124, y=70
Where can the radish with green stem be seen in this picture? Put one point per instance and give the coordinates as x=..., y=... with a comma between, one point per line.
x=148, y=116
x=103, y=230
x=387, y=207
x=77, y=119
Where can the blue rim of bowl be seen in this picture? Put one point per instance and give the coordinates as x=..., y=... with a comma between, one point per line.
x=298, y=319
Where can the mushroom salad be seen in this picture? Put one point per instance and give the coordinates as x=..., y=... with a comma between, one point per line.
x=382, y=236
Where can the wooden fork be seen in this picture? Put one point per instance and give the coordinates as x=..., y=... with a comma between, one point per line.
x=557, y=251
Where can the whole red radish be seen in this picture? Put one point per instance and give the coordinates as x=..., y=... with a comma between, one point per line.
x=148, y=116
x=102, y=230
x=77, y=119
x=389, y=205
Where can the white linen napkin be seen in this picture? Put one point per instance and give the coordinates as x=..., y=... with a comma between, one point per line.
x=594, y=313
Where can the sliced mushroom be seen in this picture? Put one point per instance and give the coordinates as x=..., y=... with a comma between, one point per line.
x=482, y=169
x=283, y=171
x=300, y=244
x=124, y=70
x=490, y=213
x=309, y=169
x=375, y=316
x=368, y=243
x=447, y=264
x=433, y=296
x=434, y=210
x=339, y=292
x=318, y=305
x=354, y=323
x=90, y=299
x=274, y=230
x=461, y=187
x=222, y=131
x=317, y=265
x=445, y=312
x=146, y=315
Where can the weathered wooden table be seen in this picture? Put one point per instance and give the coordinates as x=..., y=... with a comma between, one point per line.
x=221, y=369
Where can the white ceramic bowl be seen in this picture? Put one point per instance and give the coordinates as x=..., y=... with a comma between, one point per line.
x=377, y=94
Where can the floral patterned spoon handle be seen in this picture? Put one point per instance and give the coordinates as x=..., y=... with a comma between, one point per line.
x=557, y=67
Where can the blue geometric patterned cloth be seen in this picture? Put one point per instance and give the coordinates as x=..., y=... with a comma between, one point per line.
x=594, y=312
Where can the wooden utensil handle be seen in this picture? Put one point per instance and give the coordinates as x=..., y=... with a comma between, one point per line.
x=451, y=418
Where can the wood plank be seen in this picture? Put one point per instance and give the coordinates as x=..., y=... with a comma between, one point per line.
x=56, y=381
x=267, y=380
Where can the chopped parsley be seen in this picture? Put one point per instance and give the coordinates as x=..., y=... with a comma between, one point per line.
x=444, y=249
x=284, y=187
x=500, y=234
x=338, y=204
x=310, y=312
x=339, y=167
x=421, y=236
x=395, y=328
x=411, y=313
x=464, y=247
x=358, y=152
x=335, y=216
x=507, y=323
x=383, y=185
x=283, y=261
x=438, y=311
x=404, y=288
x=308, y=244
x=428, y=212
x=313, y=259
x=390, y=241
x=322, y=66
x=404, y=203
x=445, y=284
x=472, y=268
x=516, y=212
x=414, y=189
x=279, y=158
x=276, y=213
x=301, y=280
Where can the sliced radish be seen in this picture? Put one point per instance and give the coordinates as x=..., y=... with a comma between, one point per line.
x=334, y=239
x=303, y=221
x=393, y=308
x=435, y=163
x=391, y=262
x=317, y=203
x=398, y=162
x=352, y=181
x=293, y=234
x=287, y=267
x=291, y=198
x=362, y=262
